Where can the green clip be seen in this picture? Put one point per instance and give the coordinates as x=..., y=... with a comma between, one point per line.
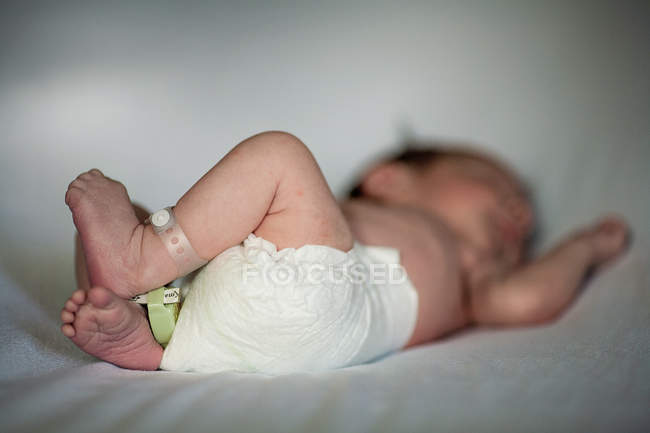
x=162, y=317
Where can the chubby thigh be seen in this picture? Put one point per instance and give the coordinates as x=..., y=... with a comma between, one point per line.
x=254, y=308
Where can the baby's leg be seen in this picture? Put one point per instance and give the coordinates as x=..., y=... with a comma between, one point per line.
x=106, y=326
x=543, y=289
x=269, y=185
x=80, y=267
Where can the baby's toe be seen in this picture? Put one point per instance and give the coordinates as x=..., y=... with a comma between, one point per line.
x=68, y=330
x=71, y=306
x=90, y=177
x=78, y=297
x=67, y=316
x=90, y=174
x=100, y=297
x=80, y=185
x=74, y=194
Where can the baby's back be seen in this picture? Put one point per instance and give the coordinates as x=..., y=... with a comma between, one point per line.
x=429, y=253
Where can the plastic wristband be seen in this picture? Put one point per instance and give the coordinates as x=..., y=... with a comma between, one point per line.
x=163, y=305
x=178, y=246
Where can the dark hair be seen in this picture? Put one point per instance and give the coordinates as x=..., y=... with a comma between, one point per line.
x=411, y=156
x=421, y=156
x=418, y=155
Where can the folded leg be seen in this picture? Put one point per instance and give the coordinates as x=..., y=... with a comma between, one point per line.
x=269, y=185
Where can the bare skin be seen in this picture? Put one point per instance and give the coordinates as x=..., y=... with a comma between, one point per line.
x=110, y=328
x=505, y=295
x=470, y=218
x=539, y=291
x=289, y=207
x=107, y=326
x=464, y=256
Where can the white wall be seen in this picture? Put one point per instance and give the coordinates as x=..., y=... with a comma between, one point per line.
x=153, y=94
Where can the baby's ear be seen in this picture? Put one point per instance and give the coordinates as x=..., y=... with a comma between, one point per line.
x=388, y=181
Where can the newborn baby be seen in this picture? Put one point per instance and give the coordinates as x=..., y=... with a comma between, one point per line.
x=456, y=221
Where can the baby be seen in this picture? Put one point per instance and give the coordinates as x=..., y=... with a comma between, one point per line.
x=459, y=220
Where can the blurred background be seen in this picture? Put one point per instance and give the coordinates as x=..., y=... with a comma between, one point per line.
x=154, y=93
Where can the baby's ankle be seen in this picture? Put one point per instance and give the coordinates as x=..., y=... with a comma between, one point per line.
x=155, y=266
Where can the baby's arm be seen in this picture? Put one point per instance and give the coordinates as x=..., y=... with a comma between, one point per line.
x=542, y=289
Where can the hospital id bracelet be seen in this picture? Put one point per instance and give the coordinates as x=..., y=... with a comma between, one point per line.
x=178, y=246
x=163, y=305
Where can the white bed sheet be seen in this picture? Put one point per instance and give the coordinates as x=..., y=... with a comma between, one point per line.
x=589, y=371
x=561, y=90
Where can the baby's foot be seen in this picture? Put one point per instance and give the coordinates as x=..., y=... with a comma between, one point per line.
x=109, y=228
x=608, y=239
x=110, y=328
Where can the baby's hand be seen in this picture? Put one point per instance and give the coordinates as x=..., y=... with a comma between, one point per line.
x=607, y=239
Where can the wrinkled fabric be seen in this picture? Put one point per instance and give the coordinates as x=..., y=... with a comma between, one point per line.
x=254, y=308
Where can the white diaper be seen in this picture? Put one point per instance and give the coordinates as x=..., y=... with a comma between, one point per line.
x=253, y=308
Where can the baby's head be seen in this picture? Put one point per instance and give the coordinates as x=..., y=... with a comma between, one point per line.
x=480, y=198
